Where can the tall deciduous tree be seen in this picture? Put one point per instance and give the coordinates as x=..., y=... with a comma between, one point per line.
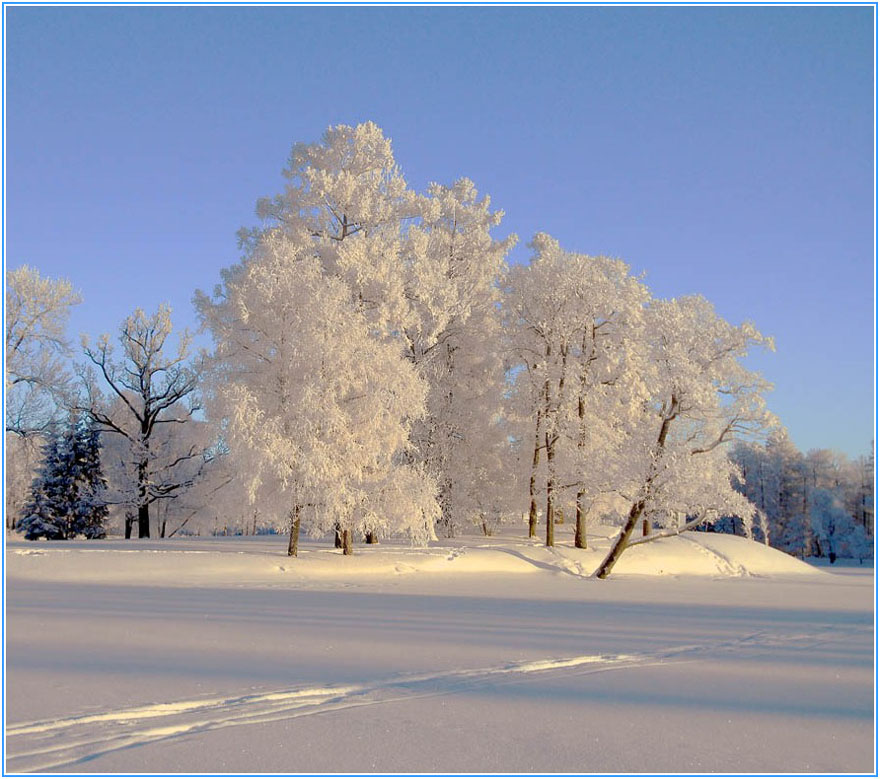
x=698, y=397
x=314, y=398
x=574, y=323
x=37, y=375
x=423, y=269
x=37, y=310
x=151, y=386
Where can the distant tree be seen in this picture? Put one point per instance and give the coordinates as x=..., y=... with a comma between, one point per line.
x=37, y=310
x=152, y=386
x=67, y=497
x=834, y=528
x=37, y=378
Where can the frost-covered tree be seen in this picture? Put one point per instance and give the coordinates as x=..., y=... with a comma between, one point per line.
x=150, y=388
x=837, y=533
x=37, y=378
x=698, y=397
x=67, y=496
x=314, y=397
x=574, y=324
x=423, y=269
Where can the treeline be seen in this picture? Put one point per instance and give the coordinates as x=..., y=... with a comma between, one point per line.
x=378, y=369
x=818, y=504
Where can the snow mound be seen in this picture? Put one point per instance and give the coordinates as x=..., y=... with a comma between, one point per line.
x=242, y=562
x=710, y=554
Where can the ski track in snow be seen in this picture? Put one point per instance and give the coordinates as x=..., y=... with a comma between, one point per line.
x=47, y=745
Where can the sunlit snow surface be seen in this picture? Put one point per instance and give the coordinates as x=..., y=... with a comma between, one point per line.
x=703, y=653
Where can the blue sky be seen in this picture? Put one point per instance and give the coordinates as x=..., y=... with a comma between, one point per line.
x=725, y=151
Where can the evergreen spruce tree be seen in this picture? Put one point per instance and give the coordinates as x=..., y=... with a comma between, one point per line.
x=67, y=493
x=39, y=517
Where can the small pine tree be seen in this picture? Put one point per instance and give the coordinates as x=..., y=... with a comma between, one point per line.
x=67, y=493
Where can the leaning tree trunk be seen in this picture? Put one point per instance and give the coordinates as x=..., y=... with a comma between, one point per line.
x=622, y=540
x=638, y=508
x=293, y=541
x=346, y=542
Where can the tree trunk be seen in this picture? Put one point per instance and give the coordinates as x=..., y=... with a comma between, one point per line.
x=346, y=542
x=143, y=504
x=337, y=538
x=371, y=537
x=533, y=500
x=129, y=521
x=617, y=550
x=293, y=542
x=144, y=521
x=162, y=528
x=646, y=527
x=638, y=508
x=551, y=492
x=580, y=523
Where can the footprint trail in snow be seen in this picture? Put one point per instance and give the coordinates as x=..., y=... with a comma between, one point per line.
x=47, y=745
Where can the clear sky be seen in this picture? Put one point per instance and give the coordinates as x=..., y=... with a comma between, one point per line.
x=725, y=151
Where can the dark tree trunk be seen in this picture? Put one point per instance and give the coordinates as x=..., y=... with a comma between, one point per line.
x=551, y=493
x=143, y=503
x=337, y=538
x=646, y=527
x=129, y=521
x=580, y=523
x=346, y=542
x=162, y=528
x=622, y=540
x=144, y=521
x=371, y=537
x=638, y=508
x=293, y=541
x=533, y=499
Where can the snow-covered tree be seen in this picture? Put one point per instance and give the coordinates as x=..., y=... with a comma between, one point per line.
x=67, y=496
x=423, y=269
x=837, y=533
x=699, y=396
x=314, y=397
x=151, y=388
x=574, y=324
x=37, y=378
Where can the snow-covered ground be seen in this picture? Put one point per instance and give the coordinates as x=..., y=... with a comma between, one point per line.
x=475, y=654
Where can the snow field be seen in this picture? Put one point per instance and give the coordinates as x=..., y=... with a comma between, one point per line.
x=475, y=654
